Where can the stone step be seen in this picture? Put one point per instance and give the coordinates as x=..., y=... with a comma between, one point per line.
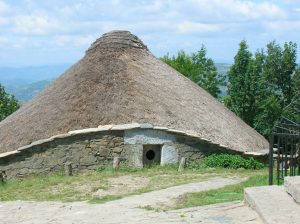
x=292, y=186
x=273, y=204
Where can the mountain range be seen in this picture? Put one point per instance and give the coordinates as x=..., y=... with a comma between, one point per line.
x=25, y=82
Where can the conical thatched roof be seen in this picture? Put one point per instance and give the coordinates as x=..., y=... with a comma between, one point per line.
x=120, y=81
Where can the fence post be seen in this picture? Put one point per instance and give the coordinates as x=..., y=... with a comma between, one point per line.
x=68, y=169
x=3, y=176
x=116, y=162
x=271, y=159
x=182, y=164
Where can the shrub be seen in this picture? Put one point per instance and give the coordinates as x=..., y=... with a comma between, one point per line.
x=232, y=162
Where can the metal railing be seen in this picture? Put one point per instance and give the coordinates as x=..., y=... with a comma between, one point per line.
x=284, y=151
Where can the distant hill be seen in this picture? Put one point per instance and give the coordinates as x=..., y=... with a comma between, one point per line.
x=27, y=75
x=26, y=91
x=26, y=82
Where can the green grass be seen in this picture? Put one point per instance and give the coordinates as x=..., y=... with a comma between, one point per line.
x=82, y=186
x=105, y=199
x=225, y=194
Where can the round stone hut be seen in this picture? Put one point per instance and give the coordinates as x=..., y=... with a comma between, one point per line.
x=120, y=101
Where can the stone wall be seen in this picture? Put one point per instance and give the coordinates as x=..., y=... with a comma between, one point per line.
x=89, y=149
x=84, y=151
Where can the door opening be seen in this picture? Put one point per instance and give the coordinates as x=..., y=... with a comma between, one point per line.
x=151, y=154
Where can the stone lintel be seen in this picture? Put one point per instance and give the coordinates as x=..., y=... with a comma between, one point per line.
x=146, y=126
x=125, y=126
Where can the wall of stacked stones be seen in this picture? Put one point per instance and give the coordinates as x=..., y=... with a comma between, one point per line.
x=90, y=150
x=84, y=151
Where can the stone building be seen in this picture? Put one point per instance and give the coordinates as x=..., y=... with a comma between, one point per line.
x=119, y=100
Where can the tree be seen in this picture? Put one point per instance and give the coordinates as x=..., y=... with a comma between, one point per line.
x=280, y=67
x=240, y=89
x=198, y=68
x=265, y=86
x=8, y=104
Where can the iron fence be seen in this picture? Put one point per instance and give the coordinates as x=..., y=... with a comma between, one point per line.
x=284, y=151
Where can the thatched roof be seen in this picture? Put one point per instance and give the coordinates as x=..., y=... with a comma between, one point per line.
x=119, y=81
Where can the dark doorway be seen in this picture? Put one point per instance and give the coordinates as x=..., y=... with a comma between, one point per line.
x=151, y=154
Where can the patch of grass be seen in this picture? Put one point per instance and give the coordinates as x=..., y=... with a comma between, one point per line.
x=225, y=194
x=225, y=161
x=82, y=186
x=148, y=208
x=105, y=199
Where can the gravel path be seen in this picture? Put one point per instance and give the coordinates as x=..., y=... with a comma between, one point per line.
x=128, y=210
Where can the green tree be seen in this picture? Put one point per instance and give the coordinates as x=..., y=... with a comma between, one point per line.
x=265, y=86
x=8, y=104
x=280, y=67
x=241, y=96
x=198, y=68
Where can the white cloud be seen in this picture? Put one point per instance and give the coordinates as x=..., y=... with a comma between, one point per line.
x=52, y=25
x=194, y=27
x=237, y=10
x=36, y=25
x=74, y=40
x=283, y=25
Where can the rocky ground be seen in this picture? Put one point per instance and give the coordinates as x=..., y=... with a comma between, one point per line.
x=132, y=209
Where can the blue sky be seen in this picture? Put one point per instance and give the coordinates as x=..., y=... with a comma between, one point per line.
x=39, y=32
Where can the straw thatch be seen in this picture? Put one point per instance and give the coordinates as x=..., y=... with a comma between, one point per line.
x=120, y=81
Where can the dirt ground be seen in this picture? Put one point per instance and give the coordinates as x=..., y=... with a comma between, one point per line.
x=132, y=209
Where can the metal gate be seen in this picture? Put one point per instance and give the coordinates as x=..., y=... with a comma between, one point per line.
x=284, y=151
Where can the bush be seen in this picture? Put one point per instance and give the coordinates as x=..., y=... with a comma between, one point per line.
x=232, y=162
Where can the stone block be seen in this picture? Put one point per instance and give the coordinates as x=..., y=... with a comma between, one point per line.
x=60, y=136
x=88, y=160
x=104, y=152
x=147, y=136
x=5, y=154
x=273, y=204
x=125, y=126
x=169, y=154
x=25, y=147
x=84, y=131
x=105, y=127
x=176, y=131
x=160, y=128
x=39, y=142
x=117, y=150
x=292, y=186
x=146, y=126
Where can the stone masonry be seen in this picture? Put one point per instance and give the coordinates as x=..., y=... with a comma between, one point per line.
x=90, y=149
